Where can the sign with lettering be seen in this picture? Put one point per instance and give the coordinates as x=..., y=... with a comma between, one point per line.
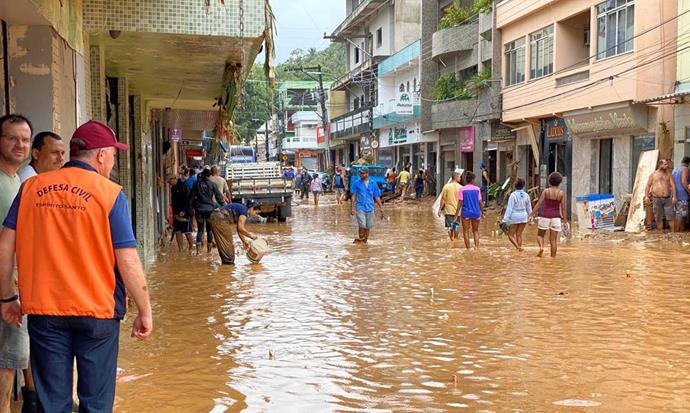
x=501, y=132
x=616, y=121
x=556, y=129
x=467, y=139
x=405, y=104
x=174, y=135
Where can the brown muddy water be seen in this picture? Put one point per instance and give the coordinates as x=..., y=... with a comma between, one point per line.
x=407, y=324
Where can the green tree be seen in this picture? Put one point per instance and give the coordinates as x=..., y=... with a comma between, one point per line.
x=256, y=106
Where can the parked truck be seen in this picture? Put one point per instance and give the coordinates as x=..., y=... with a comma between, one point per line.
x=263, y=183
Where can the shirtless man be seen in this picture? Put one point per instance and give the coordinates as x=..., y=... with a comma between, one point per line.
x=661, y=192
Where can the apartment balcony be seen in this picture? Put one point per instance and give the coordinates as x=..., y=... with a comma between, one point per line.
x=364, y=73
x=456, y=39
x=352, y=124
x=404, y=57
x=359, y=15
x=462, y=113
x=301, y=142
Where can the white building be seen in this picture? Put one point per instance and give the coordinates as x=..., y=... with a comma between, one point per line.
x=304, y=143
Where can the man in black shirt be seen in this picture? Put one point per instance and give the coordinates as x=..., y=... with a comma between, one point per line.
x=182, y=211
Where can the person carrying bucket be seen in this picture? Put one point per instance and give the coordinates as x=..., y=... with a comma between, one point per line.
x=221, y=223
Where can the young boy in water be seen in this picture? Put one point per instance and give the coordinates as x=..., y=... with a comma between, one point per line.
x=470, y=208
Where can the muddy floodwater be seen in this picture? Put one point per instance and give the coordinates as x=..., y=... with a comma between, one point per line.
x=407, y=324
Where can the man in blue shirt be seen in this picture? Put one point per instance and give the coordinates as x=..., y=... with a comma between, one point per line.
x=365, y=194
x=221, y=224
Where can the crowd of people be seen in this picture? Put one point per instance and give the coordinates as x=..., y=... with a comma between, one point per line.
x=68, y=234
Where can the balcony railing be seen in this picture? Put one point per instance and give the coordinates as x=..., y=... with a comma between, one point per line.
x=303, y=142
x=353, y=123
x=455, y=39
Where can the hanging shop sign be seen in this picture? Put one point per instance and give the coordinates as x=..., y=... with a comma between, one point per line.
x=607, y=120
x=404, y=105
x=556, y=130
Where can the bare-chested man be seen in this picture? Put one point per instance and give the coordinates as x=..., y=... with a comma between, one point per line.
x=661, y=192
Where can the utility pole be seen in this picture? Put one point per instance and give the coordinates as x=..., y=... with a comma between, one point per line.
x=322, y=101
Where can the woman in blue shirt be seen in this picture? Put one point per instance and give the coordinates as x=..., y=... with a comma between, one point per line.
x=517, y=213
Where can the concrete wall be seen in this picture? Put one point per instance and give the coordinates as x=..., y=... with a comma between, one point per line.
x=383, y=20
x=408, y=28
x=30, y=73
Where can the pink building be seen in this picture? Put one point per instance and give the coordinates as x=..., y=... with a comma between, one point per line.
x=575, y=75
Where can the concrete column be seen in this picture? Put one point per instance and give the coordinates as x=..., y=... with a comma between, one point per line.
x=97, y=72
x=144, y=180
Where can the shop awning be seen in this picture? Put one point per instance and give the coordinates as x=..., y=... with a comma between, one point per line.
x=664, y=97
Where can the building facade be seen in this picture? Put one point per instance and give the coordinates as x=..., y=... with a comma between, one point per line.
x=373, y=30
x=577, y=76
x=120, y=61
x=460, y=99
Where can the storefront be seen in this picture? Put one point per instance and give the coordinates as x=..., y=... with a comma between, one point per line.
x=606, y=144
x=557, y=153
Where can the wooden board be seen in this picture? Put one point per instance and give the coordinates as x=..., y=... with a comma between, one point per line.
x=645, y=169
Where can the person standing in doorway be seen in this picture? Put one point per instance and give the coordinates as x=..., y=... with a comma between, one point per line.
x=553, y=216
x=47, y=154
x=75, y=294
x=203, y=194
x=365, y=195
x=449, y=205
x=661, y=193
x=517, y=213
x=680, y=181
x=486, y=182
x=316, y=188
x=470, y=209
x=15, y=139
x=404, y=182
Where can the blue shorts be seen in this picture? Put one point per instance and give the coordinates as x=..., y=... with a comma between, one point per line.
x=14, y=346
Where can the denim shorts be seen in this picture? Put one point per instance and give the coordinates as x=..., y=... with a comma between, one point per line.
x=14, y=346
x=365, y=220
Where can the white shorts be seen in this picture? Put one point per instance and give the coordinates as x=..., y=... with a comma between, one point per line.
x=554, y=224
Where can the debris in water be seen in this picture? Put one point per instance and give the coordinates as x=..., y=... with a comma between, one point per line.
x=561, y=293
x=271, y=355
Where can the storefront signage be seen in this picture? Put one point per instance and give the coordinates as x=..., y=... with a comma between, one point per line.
x=500, y=132
x=556, y=129
x=404, y=104
x=619, y=120
x=174, y=135
x=400, y=136
x=467, y=139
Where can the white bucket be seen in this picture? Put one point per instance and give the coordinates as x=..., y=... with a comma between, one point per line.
x=257, y=250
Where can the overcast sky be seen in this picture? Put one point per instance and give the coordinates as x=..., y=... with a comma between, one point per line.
x=301, y=24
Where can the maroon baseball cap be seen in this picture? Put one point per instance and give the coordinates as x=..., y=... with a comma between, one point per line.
x=96, y=135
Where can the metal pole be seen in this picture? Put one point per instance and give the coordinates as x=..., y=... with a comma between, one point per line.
x=324, y=117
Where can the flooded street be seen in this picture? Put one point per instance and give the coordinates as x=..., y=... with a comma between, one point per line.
x=405, y=324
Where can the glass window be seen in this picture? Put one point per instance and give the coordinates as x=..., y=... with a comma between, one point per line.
x=356, y=55
x=615, y=27
x=515, y=62
x=379, y=37
x=606, y=166
x=541, y=52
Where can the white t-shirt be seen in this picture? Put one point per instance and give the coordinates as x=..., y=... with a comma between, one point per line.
x=26, y=172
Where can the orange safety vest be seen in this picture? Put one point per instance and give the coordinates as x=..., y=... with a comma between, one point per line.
x=65, y=257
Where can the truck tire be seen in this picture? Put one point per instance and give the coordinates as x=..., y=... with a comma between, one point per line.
x=285, y=211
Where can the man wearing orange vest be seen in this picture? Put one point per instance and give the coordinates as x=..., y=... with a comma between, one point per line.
x=72, y=278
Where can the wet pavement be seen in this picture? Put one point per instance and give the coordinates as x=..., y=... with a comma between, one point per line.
x=408, y=324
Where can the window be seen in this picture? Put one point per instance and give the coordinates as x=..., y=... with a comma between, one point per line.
x=415, y=84
x=615, y=27
x=606, y=166
x=356, y=103
x=515, y=62
x=356, y=55
x=541, y=53
x=408, y=86
x=401, y=88
x=379, y=37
